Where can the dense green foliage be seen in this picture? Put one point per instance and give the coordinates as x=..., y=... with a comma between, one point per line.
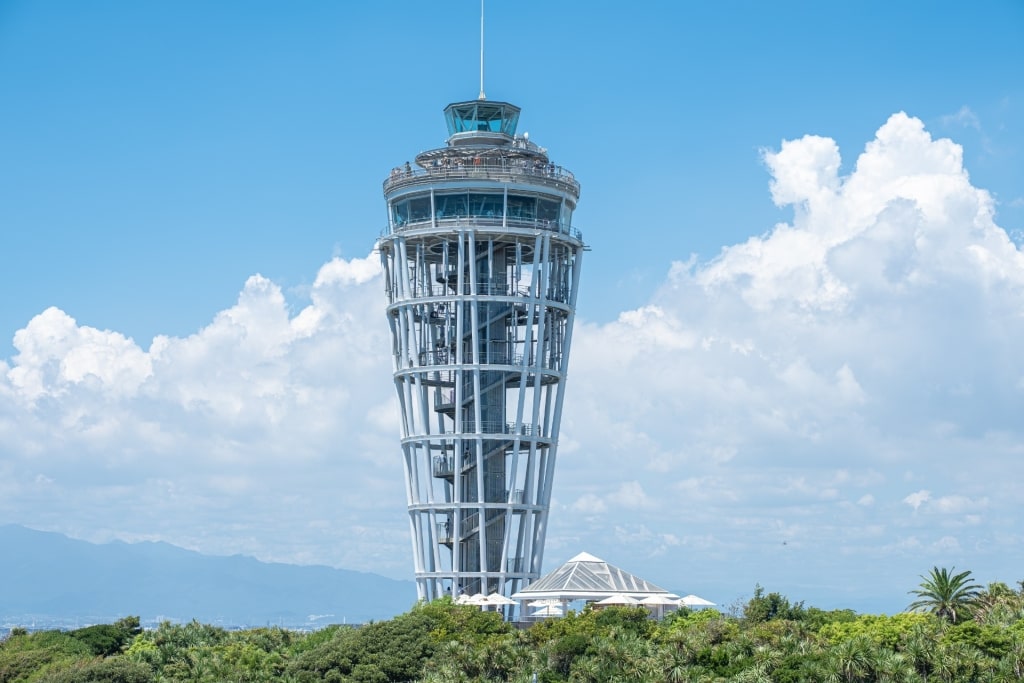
x=108, y=639
x=440, y=642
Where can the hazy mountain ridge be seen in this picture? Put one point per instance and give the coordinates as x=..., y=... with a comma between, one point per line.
x=47, y=576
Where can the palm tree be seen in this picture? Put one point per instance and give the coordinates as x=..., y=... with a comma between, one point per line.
x=850, y=661
x=958, y=662
x=998, y=605
x=674, y=665
x=1012, y=665
x=920, y=649
x=892, y=667
x=946, y=595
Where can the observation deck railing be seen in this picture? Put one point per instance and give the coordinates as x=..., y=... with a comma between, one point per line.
x=504, y=428
x=485, y=221
x=489, y=429
x=445, y=357
x=423, y=290
x=444, y=466
x=485, y=168
x=492, y=288
x=444, y=400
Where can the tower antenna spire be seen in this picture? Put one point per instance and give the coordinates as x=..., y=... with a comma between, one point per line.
x=482, y=95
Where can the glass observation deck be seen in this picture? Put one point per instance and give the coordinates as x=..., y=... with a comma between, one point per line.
x=482, y=116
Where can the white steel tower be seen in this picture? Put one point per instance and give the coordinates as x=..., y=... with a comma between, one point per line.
x=481, y=267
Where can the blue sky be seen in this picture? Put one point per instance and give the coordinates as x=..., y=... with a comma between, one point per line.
x=791, y=367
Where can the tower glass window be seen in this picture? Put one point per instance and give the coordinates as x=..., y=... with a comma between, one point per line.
x=482, y=116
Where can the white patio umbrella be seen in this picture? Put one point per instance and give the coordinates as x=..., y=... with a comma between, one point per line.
x=694, y=601
x=657, y=604
x=479, y=599
x=618, y=600
x=499, y=599
x=659, y=600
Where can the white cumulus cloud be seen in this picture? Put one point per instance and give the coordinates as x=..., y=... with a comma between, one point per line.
x=873, y=333
x=224, y=440
x=917, y=499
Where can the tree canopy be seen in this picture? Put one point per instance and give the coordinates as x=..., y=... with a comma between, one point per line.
x=773, y=639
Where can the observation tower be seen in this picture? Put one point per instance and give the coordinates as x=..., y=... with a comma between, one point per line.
x=481, y=268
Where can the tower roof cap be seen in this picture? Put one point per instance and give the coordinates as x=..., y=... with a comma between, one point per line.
x=484, y=116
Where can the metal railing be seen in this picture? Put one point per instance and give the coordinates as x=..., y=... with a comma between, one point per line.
x=507, y=428
x=485, y=168
x=444, y=466
x=444, y=400
x=421, y=290
x=445, y=357
x=478, y=221
x=485, y=221
x=433, y=362
x=494, y=288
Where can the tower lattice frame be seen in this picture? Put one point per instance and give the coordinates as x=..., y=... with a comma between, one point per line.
x=481, y=268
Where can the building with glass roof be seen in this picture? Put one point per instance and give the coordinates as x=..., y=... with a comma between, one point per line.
x=590, y=579
x=481, y=267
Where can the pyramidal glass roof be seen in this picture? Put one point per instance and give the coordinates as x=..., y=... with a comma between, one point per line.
x=586, y=576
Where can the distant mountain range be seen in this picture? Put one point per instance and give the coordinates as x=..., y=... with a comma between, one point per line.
x=47, y=578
